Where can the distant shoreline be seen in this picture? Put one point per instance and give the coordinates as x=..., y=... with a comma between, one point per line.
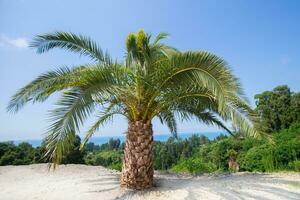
x=103, y=139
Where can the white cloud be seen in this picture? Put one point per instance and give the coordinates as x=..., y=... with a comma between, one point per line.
x=14, y=42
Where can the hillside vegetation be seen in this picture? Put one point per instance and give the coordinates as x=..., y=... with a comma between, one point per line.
x=279, y=110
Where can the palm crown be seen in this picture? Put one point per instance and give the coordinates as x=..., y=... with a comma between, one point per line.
x=155, y=80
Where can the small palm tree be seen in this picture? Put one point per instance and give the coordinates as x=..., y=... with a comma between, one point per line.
x=155, y=80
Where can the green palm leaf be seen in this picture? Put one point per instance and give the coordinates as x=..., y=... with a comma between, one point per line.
x=71, y=42
x=156, y=80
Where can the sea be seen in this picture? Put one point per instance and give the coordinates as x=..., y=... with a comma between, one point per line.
x=104, y=139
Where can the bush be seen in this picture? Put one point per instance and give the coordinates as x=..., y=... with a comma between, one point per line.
x=194, y=166
x=110, y=159
x=218, y=153
x=8, y=158
x=258, y=158
x=167, y=154
x=116, y=166
x=196, y=154
x=295, y=165
x=23, y=154
x=287, y=145
x=231, y=153
x=75, y=155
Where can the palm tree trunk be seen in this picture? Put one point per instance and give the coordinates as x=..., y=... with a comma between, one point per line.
x=137, y=172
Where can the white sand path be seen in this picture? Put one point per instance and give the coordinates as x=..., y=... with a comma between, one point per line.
x=81, y=182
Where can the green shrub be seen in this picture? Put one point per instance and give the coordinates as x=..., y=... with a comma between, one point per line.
x=219, y=151
x=268, y=162
x=194, y=166
x=111, y=159
x=295, y=165
x=8, y=158
x=170, y=152
x=23, y=154
x=231, y=153
x=196, y=154
x=287, y=145
x=259, y=158
x=116, y=166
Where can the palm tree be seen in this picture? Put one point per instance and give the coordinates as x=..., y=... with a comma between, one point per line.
x=155, y=80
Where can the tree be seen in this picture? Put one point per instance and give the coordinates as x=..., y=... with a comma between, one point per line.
x=91, y=147
x=74, y=156
x=10, y=154
x=278, y=108
x=113, y=144
x=155, y=80
x=6, y=146
x=295, y=107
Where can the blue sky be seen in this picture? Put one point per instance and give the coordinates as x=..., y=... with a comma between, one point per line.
x=259, y=39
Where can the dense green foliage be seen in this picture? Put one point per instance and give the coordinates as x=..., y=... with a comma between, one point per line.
x=75, y=155
x=108, y=155
x=24, y=154
x=111, y=159
x=170, y=152
x=252, y=154
x=194, y=166
x=278, y=108
x=196, y=154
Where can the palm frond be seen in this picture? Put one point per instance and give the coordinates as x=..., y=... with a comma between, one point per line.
x=45, y=85
x=159, y=37
x=203, y=69
x=71, y=42
x=74, y=107
x=104, y=117
x=169, y=119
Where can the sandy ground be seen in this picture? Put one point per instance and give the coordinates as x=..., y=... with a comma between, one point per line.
x=80, y=182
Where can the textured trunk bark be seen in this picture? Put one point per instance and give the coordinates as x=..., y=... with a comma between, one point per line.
x=137, y=171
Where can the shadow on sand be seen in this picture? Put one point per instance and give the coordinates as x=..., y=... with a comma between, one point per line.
x=231, y=187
